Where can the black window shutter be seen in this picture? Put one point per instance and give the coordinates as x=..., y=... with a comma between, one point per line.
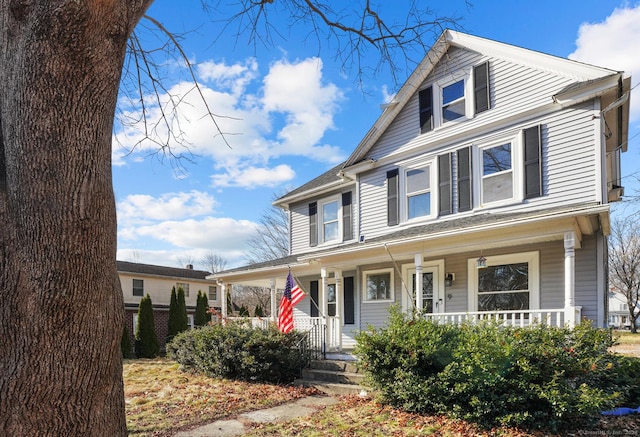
x=481, y=87
x=313, y=224
x=349, y=302
x=465, y=199
x=532, y=162
x=444, y=184
x=392, y=197
x=313, y=291
x=347, y=222
x=425, y=97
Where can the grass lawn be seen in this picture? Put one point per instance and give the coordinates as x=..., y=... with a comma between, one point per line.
x=161, y=400
x=626, y=337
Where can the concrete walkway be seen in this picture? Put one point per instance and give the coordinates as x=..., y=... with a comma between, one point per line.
x=234, y=427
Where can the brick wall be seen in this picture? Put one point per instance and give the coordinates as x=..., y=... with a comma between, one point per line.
x=161, y=319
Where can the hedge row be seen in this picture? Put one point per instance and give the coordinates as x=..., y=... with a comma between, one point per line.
x=539, y=377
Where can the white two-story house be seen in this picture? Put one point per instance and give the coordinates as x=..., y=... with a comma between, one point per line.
x=485, y=184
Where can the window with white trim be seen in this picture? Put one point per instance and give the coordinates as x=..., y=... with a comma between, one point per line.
x=418, y=192
x=497, y=173
x=138, y=287
x=509, y=282
x=453, y=101
x=378, y=285
x=213, y=292
x=184, y=286
x=457, y=97
x=329, y=223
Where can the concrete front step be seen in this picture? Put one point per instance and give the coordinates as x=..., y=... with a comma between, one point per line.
x=335, y=365
x=332, y=388
x=332, y=376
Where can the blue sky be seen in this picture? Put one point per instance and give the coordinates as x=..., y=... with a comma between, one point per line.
x=291, y=113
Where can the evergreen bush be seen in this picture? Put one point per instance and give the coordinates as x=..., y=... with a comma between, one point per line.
x=182, y=319
x=237, y=351
x=125, y=342
x=202, y=317
x=493, y=375
x=146, y=344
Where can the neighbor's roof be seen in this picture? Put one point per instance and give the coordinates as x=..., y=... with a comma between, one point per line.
x=149, y=269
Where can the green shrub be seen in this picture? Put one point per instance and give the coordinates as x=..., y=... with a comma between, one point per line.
x=236, y=351
x=539, y=377
x=202, y=316
x=146, y=339
x=125, y=342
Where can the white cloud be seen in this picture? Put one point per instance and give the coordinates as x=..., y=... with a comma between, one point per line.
x=169, y=206
x=613, y=43
x=223, y=234
x=286, y=114
x=252, y=177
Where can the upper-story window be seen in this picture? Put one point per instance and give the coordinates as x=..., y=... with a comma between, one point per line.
x=409, y=194
x=497, y=173
x=138, y=287
x=455, y=98
x=330, y=220
x=213, y=292
x=418, y=192
x=184, y=286
x=453, y=102
x=492, y=173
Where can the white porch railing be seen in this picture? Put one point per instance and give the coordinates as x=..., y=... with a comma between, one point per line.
x=256, y=322
x=522, y=318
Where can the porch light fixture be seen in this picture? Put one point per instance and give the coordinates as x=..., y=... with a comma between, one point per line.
x=482, y=262
x=448, y=279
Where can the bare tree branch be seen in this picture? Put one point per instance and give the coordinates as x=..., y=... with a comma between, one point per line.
x=624, y=263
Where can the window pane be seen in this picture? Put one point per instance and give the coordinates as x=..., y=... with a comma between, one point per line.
x=331, y=231
x=417, y=180
x=498, y=187
x=329, y=211
x=503, y=301
x=496, y=159
x=379, y=286
x=453, y=111
x=452, y=92
x=419, y=205
x=503, y=278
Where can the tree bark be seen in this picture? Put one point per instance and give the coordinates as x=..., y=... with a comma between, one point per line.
x=61, y=309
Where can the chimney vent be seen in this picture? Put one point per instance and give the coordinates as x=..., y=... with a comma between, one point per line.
x=189, y=267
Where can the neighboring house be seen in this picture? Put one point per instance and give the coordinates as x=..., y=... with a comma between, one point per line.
x=485, y=183
x=618, y=311
x=138, y=280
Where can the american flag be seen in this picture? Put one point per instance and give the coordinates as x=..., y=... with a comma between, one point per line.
x=292, y=295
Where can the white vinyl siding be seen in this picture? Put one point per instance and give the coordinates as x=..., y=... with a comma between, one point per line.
x=569, y=167
x=514, y=89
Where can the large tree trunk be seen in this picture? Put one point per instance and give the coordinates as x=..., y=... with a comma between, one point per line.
x=60, y=299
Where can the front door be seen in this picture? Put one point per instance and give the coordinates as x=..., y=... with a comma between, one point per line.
x=432, y=301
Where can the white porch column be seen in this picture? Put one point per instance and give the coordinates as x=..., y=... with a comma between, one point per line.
x=223, y=300
x=570, y=279
x=418, y=290
x=274, y=303
x=322, y=294
x=339, y=304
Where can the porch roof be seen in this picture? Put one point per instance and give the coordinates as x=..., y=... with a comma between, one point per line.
x=484, y=230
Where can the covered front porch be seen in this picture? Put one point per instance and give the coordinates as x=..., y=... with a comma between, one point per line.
x=350, y=288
